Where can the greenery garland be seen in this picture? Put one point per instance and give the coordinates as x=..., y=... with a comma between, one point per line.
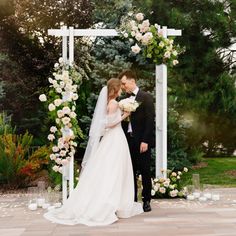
x=61, y=101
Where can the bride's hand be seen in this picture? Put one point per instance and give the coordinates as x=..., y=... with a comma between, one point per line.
x=126, y=113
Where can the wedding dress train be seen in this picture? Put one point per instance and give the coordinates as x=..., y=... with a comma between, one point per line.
x=105, y=191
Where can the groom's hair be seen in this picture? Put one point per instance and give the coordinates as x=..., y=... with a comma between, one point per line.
x=129, y=74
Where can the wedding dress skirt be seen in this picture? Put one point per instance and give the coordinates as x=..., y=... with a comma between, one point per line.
x=105, y=191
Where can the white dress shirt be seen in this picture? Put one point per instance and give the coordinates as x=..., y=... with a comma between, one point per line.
x=133, y=98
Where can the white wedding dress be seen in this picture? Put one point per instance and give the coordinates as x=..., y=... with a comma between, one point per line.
x=105, y=191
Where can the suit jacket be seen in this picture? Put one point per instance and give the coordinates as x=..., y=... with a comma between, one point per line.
x=142, y=120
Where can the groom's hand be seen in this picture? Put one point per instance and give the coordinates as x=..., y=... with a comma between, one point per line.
x=143, y=147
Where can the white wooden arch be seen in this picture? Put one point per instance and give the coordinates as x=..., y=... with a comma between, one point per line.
x=68, y=35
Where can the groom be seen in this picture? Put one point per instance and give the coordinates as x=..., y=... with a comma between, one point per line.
x=139, y=133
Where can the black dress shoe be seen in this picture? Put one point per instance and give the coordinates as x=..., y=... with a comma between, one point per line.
x=146, y=206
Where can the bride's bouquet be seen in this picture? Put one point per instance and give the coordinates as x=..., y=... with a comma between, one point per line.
x=128, y=105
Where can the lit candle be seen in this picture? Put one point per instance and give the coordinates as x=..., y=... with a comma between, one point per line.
x=32, y=206
x=202, y=199
x=40, y=201
x=190, y=197
x=215, y=197
x=196, y=194
x=207, y=195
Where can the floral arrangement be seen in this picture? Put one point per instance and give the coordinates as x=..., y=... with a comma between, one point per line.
x=169, y=186
x=128, y=105
x=61, y=100
x=149, y=40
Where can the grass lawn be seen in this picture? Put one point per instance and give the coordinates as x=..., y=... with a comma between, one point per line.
x=215, y=171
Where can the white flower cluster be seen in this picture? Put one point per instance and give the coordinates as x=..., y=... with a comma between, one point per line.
x=142, y=34
x=168, y=186
x=128, y=105
x=63, y=105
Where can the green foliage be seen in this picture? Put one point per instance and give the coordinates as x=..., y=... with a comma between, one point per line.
x=17, y=165
x=215, y=171
x=5, y=124
x=18, y=162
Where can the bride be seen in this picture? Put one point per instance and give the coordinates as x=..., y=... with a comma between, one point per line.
x=105, y=191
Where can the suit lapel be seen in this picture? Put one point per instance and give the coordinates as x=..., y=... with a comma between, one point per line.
x=138, y=97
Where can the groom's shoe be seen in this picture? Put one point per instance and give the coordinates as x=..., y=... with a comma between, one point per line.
x=146, y=206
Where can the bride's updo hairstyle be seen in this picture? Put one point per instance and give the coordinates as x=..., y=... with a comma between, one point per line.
x=113, y=88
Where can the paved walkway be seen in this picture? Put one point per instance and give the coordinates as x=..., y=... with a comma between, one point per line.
x=169, y=217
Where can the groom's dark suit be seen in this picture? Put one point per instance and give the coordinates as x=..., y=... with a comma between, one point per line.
x=142, y=123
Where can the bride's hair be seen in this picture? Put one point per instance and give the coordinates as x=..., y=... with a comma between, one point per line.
x=113, y=88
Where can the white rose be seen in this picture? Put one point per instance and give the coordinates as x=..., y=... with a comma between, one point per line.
x=59, y=90
x=162, y=190
x=53, y=157
x=144, y=27
x=57, y=77
x=55, y=84
x=133, y=33
x=139, y=16
x=153, y=192
x=55, y=149
x=66, y=110
x=155, y=188
x=185, y=169
x=62, y=153
x=65, y=120
x=43, y=98
x=173, y=193
x=58, y=102
x=53, y=129
x=136, y=49
x=50, y=80
x=56, y=65
x=161, y=44
x=73, y=115
x=175, y=62
x=157, y=26
x=51, y=137
x=126, y=35
x=178, y=177
x=61, y=145
x=61, y=60
x=166, y=184
x=73, y=108
x=64, y=162
x=138, y=36
x=68, y=87
x=75, y=96
x=55, y=168
x=146, y=38
x=167, y=54
x=173, y=174
x=74, y=88
x=57, y=121
x=62, y=84
x=51, y=107
x=60, y=113
x=67, y=96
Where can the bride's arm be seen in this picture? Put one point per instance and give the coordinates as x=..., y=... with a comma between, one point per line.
x=113, y=118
